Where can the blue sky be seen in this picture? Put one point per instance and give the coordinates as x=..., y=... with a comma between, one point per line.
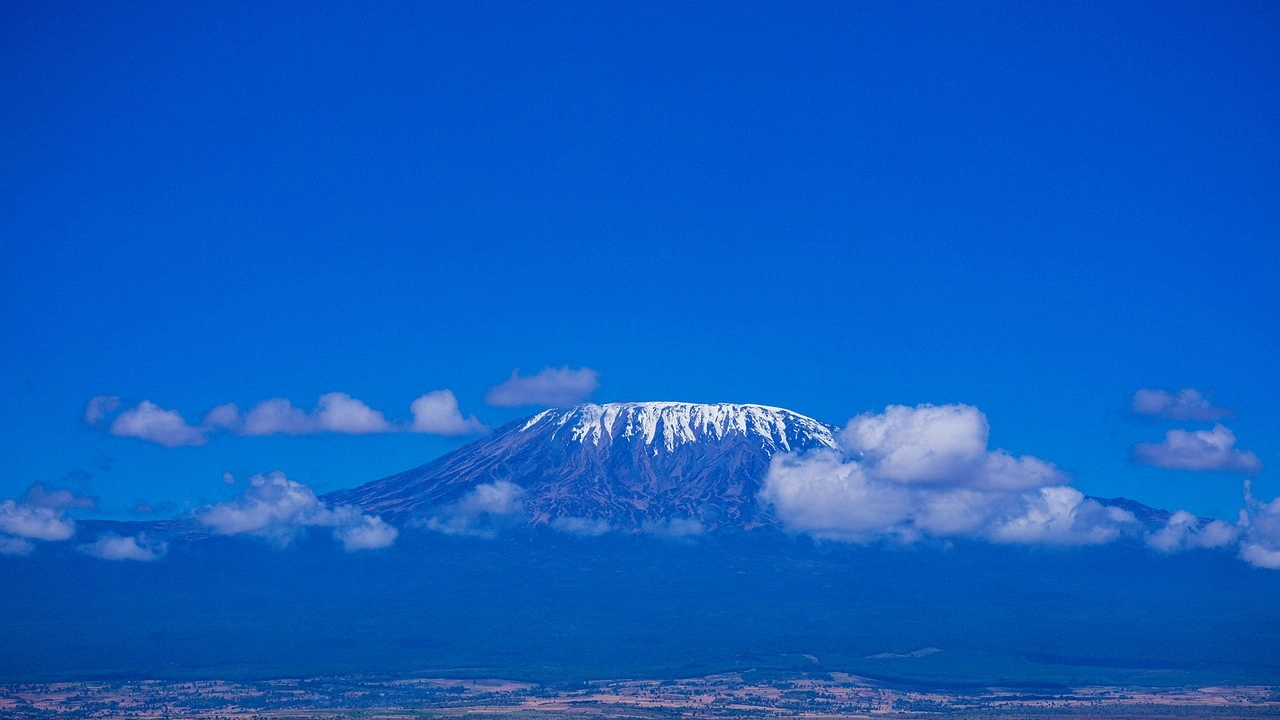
x=831, y=208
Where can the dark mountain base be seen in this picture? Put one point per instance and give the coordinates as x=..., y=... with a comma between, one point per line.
x=550, y=608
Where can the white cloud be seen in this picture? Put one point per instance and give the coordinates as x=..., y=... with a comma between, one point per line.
x=437, y=413
x=35, y=522
x=334, y=412
x=823, y=494
x=1184, y=531
x=481, y=511
x=927, y=471
x=945, y=444
x=550, y=386
x=1260, y=523
x=277, y=508
x=277, y=415
x=369, y=533
x=340, y=413
x=581, y=526
x=1061, y=515
x=128, y=547
x=149, y=421
x=98, y=407
x=1198, y=450
x=1186, y=404
x=225, y=416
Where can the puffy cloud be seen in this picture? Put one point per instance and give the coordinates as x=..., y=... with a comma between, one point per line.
x=128, y=547
x=277, y=415
x=437, y=413
x=335, y=412
x=927, y=471
x=277, y=508
x=1186, y=404
x=35, y=522
x=1198, y=450
x=225, y=416
x=824, y=494
x=1260, y=541
x=39, y=515
x=99, y=407
x=1184, y=531
x=149, y=421
x=482, y=511
x=368, y=533
x=581, y=526
x=550, y=386
x=1061, y=515
x=944, y=444
x=340, y=413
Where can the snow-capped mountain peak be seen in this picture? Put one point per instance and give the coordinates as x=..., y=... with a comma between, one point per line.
x=670, y=424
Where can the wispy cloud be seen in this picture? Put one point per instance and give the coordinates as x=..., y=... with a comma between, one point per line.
x=437, y=413
x=58, y=499
x=98, y=407
x=279, y=509
x=482, y=511
x=1186, y=404
x=128, y=547
x=675, y=528
x=581, y=526
x=927, y=471
x=549, y=387
x=1198, y=450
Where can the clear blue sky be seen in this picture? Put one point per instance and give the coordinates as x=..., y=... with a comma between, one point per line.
x=1035, y=210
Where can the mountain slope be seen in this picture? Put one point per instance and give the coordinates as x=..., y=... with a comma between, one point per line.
x=628, y=464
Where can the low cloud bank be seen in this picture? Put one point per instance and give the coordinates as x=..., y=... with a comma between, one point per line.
x=279, y=509
x=926, y=471
x=550, y=387
x=435, y=412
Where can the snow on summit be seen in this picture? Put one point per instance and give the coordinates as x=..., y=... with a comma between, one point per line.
x=670, y=424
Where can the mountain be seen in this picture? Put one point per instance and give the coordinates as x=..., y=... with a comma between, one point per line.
x=628, y=464
x=556, y=607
